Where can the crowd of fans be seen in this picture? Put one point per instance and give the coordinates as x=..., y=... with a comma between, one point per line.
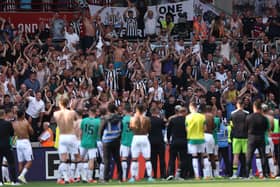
x=258, y=6
x=50, y=5
x=234, y=56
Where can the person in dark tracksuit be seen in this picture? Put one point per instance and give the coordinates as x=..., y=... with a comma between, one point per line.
x=110, y=133
x=239, y=134
x=176, y=137
x=6, y=131
x=157, y=143
x=257, y=125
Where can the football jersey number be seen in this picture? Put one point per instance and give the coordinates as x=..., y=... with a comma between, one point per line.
x=89, y=129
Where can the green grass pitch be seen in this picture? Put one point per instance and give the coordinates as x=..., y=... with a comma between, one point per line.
x=192, y=183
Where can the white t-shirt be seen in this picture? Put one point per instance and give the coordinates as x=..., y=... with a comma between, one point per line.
x=225, y=50
x=35, y=107
x=179, y=48
x=221, y=77
x=158, y=93
x=150, y=25
x=11, y=80
x=71, y=39
x=196, y=48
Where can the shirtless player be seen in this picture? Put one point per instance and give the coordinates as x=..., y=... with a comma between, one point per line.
x=77, y=169
x=209, y=144
x=23, y=130
x=67, y=139
x=269, y=146
x=140, y=125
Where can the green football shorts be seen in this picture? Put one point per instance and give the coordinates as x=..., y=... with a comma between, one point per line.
x=239, y=145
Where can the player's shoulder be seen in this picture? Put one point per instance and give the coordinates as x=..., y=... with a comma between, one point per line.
x=126, y=118
x=202, y=115
x=146, y=119
x=133, y=118
x=246, y=112
x=84, y=120
x=267, y=117
x=188, y=116
x=14, y=123
x=250, y=115
x=25, y=121
x=234, y=112
x=57, y=112
x=71, y=111
x=210, y=115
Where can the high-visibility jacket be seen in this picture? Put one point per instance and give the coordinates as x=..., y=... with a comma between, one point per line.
x=275, y=135
x=49, y=142
x=164, y=25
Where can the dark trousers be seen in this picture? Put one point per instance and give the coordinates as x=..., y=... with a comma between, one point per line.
x=178, y=151
x=255, y=142
x=110, y=150
x=37, y=129
x=189, y=170
x=158, y=151
x=7, y=152
x=277, y=155
x=86, y=42
x=224, y=154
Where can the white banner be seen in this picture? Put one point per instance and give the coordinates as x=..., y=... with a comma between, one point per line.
x=177, y=9
x=208, y=12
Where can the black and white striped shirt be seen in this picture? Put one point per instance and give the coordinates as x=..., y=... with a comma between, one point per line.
x=274, y=56
x=111, y=19
x=129, y=68
x=210, y=65
x=141, y=85
x=161, y=52
x=258, y=61
x=111, y=78
x=265, y=48
x=76, y=25
x=131, y=27
x=117, y=102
